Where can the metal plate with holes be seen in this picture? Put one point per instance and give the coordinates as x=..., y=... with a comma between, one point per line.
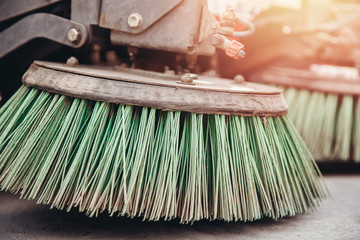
x=180, y=30
x=115, y=14
x=162, y=91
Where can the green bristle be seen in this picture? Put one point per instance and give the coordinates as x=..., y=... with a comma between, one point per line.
x=328, y=126
x=356, y=131
x=344, y=129
x=326, y=122
x=138, y=161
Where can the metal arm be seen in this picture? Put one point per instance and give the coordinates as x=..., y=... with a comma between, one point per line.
x=42, y=25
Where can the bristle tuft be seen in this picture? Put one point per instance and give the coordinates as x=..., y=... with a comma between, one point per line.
x=329, y=124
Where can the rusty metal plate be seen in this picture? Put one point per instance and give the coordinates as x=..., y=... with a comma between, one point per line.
x=114, y=14
x=178, y=31
x=143, y=88
x=162, y=79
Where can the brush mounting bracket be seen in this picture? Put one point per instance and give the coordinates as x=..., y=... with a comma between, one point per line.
x=207, y=95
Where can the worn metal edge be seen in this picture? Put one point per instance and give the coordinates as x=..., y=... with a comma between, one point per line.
x=160, y=97
x=160, y=79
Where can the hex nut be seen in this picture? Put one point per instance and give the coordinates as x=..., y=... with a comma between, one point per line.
x=135, y=20
x=217, y=41
x=73, y=35
x=187, y=78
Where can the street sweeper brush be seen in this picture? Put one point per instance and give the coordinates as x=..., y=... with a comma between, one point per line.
x=325, y=110
x=139, y=143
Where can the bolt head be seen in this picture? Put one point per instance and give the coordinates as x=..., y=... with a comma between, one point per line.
x=187, y=78
x=135, y=20
x=239, y=79
x=73, y=35
x=72, y=61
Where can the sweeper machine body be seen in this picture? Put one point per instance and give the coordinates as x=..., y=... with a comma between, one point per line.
x=131, y=140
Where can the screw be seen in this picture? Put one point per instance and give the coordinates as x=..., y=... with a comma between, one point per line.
x=73, y=35
x=239, y=79
x=72, y=61
x=135, y=20
x=187, y=78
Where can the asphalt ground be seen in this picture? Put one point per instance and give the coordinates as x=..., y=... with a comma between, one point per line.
x=338, y=217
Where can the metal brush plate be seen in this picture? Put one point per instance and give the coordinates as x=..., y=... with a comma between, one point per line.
x=307, y=80
x=150, y=89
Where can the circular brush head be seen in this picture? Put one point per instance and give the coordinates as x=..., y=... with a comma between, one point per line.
x=154, y=145
x=324, y=106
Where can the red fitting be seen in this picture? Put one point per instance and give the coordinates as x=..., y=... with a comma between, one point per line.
x=234, y=48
